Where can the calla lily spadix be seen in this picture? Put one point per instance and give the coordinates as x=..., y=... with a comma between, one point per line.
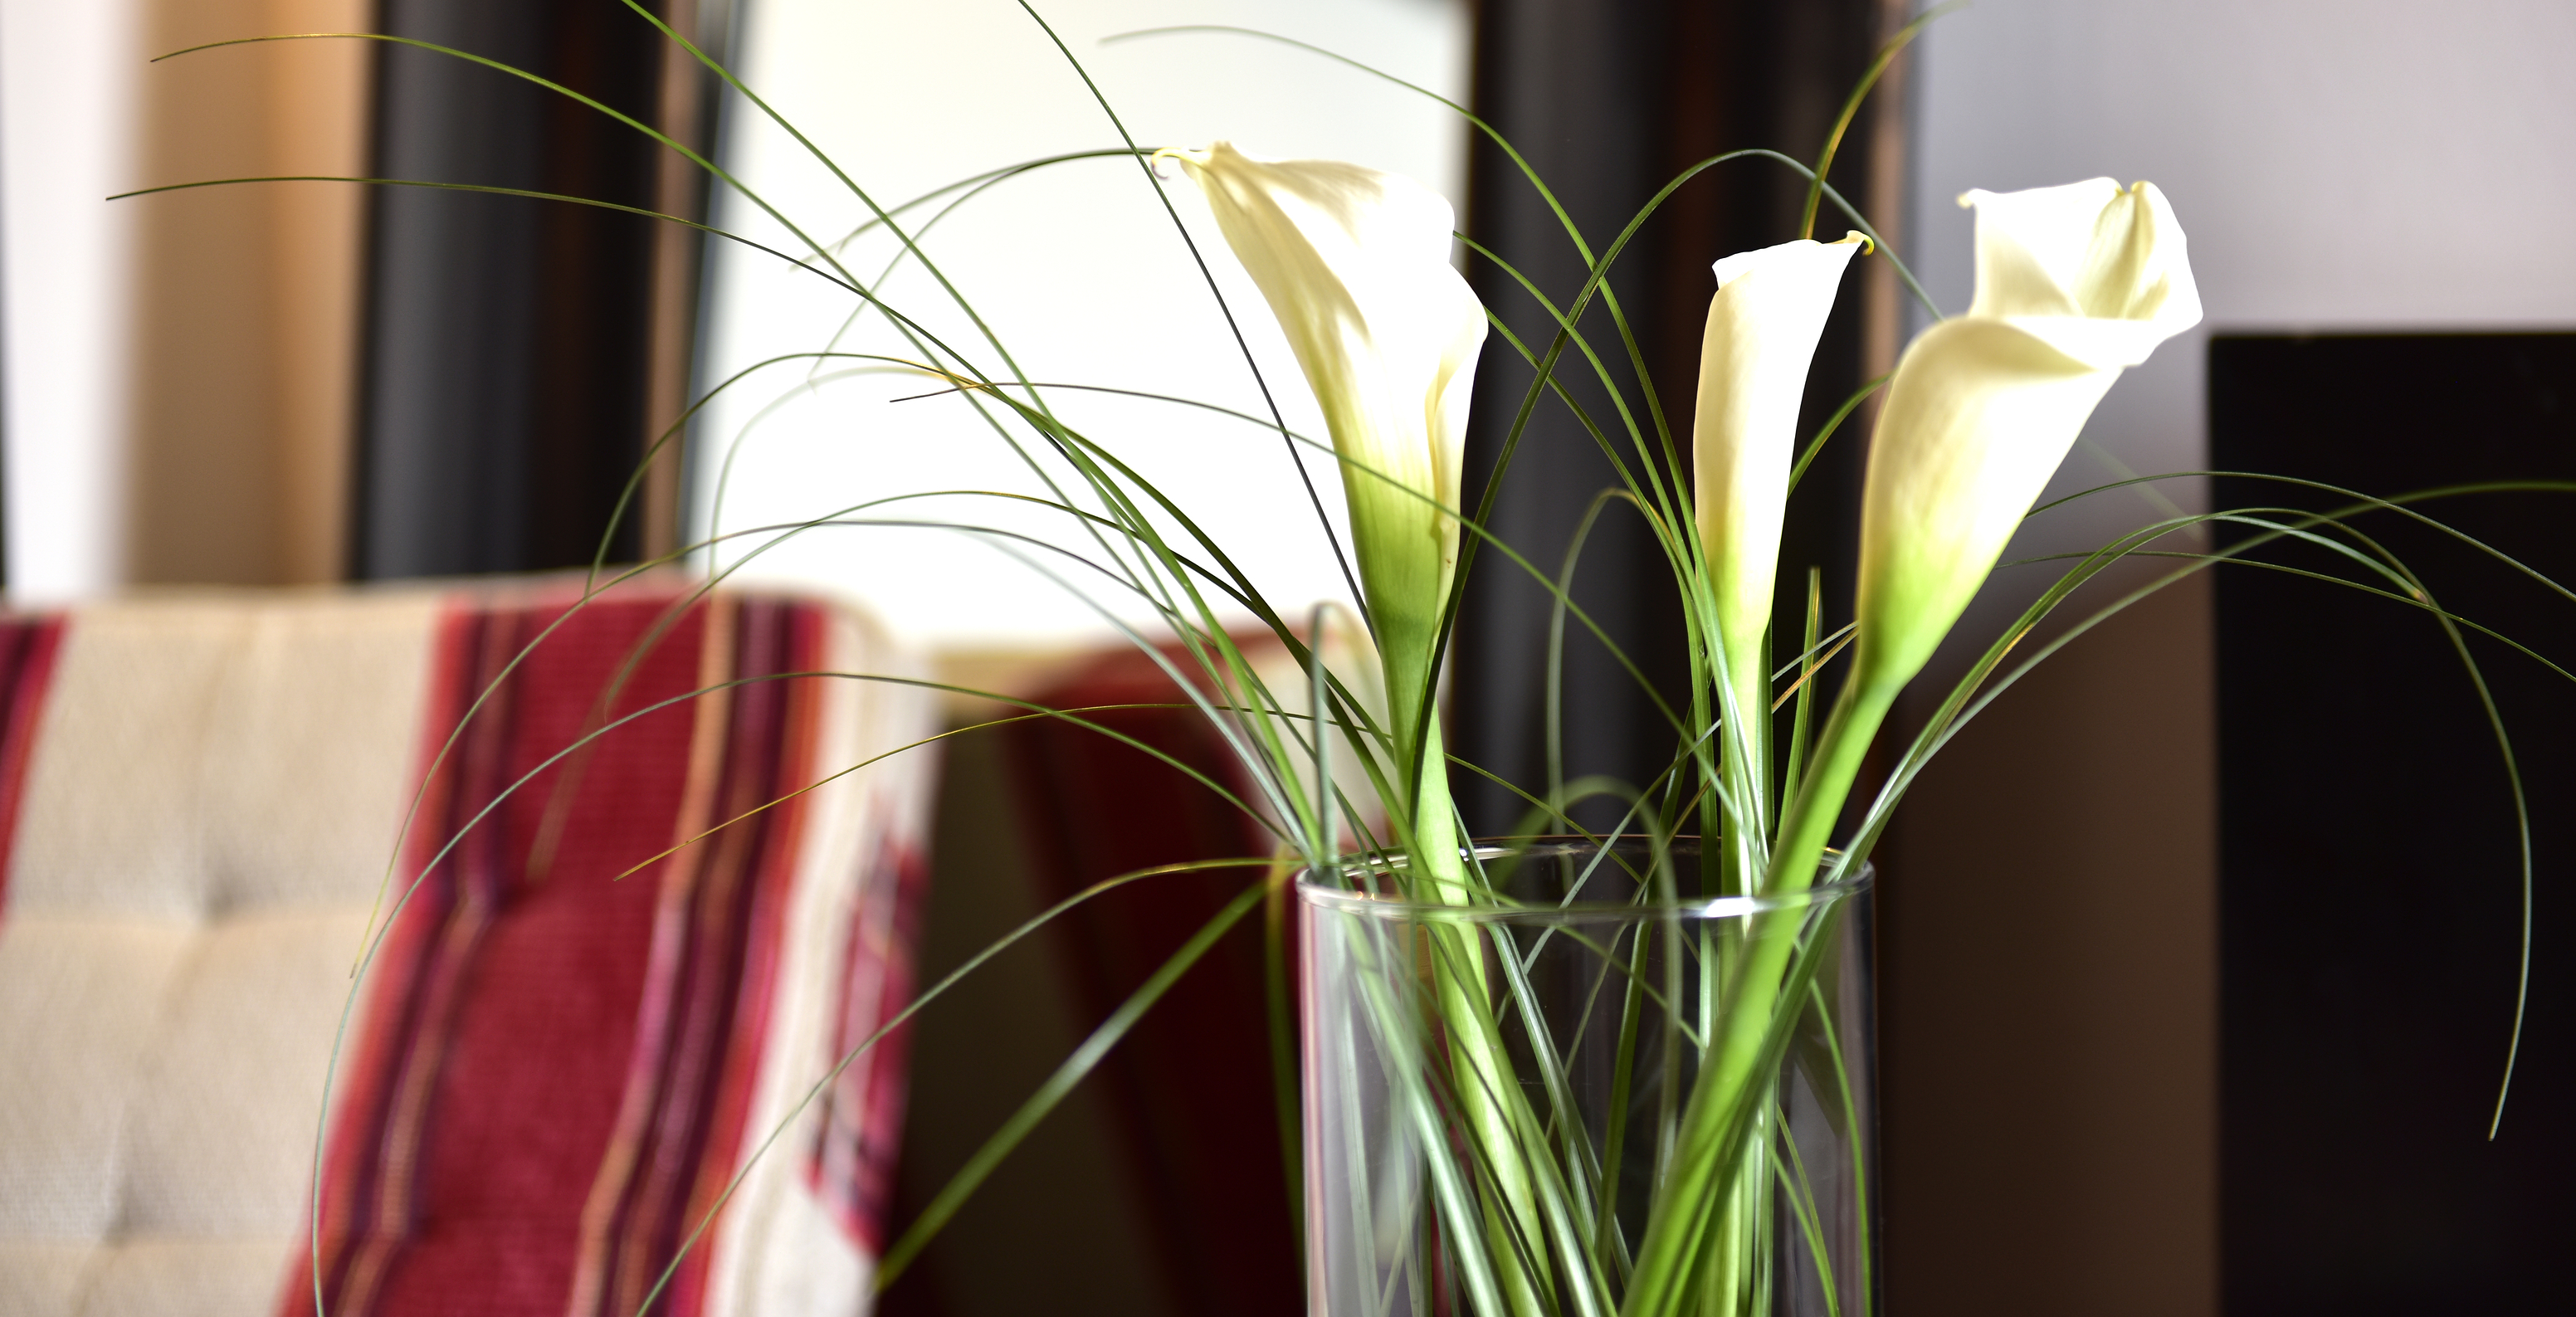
x=2074, y=285
x=1355, y=265
x=1763, y=324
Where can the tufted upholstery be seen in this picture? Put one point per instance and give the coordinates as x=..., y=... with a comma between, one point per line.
x=206, y=791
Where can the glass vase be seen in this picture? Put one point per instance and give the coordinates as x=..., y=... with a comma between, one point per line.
x=1588, y=1090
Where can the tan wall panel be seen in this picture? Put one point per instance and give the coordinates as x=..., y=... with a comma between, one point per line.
x=245, y=352
x=2049, y=990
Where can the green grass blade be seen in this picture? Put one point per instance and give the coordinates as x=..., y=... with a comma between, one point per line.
x=1075, y=1067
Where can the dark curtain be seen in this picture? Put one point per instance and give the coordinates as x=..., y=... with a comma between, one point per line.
x=1608, y=100
x=508, y=340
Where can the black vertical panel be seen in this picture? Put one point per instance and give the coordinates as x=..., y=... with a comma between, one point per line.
x=1608, y=100
x=2369, y=898
x=506, y=350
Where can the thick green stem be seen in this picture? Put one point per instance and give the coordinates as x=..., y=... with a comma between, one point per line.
x=1828, y=782
x=1487, y=1093
x=1744, y=761
x=1716, y=1121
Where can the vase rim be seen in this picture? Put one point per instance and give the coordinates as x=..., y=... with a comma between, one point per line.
x=1351, y=901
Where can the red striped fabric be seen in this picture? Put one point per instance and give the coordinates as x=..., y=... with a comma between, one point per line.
x=554, y=1083
x=852, y=1168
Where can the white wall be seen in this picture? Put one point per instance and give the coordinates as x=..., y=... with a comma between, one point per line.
x=1077, y=269
x=2337, y=164
x=68, y=109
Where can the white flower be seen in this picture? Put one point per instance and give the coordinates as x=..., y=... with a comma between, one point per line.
x=1355, y=266
x=2074, y=284
x=1763, y=325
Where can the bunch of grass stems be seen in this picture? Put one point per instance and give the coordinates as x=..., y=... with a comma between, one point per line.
x=1530, y=1224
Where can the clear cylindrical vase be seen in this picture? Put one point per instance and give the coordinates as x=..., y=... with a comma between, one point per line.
x=1591, y=1089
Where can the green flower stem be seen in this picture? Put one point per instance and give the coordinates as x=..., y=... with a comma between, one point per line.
x=1715, y=1124
x=1742, y=1238
x=1486, y=1090
x=1828, y=782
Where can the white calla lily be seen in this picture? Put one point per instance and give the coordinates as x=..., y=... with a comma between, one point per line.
x=2074, y=285
x=1763, y=324
x=1355, y=265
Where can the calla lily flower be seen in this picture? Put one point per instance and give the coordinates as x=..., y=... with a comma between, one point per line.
x=1763, y=325
x=2074, y=284
x=1355, y=265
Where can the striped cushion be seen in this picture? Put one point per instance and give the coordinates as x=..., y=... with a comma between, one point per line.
x=552, y=1073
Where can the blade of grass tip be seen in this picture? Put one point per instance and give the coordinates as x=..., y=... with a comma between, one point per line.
x=1877, y=242
x=1799, y=721
x=820, y=250
x=1851, y=108
x=2148, y=491
x=1897, y=782
x=2513, y=778
x=2522, y=834
x=1084, y=1059
x=812, y=386
x=1553, y=717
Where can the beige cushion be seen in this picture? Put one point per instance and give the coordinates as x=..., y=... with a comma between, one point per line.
x=214, y=789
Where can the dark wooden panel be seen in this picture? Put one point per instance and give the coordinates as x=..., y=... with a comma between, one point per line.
x=2369, y=902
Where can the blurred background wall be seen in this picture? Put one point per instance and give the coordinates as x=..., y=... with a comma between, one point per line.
x=2050, y=946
